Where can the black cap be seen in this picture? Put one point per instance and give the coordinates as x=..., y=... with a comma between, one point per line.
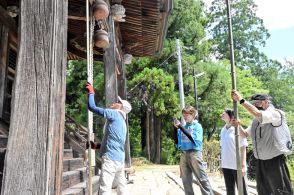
x=259, y=97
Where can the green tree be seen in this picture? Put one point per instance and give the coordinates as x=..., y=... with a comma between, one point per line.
x=214, y=90
x=76, y=98
x=153, y=99
x=248, y=30
x=187, y=23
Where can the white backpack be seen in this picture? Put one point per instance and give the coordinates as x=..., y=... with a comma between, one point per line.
x=282, y=135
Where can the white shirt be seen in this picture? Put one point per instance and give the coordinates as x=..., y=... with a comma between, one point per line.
x=270, y=115
x=228, y=152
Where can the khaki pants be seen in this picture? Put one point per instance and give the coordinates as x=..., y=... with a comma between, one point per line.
x=191, y=163
x=112, y=171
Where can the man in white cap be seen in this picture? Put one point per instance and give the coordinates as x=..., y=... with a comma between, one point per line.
x=112, y=148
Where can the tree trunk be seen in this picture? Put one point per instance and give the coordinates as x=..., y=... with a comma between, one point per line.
x=157, y=139
x=33, y=163
x=152, y=136
x=147, y=134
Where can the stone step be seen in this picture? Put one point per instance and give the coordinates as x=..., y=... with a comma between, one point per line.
x=80, y=188
x=72, y=164
x=71, y=178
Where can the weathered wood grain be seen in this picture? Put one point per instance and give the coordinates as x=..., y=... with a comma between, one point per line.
x=109, y=59
x=33, y=163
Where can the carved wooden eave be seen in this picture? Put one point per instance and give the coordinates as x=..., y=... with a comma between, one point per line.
x=145, y=27
x=142, y=33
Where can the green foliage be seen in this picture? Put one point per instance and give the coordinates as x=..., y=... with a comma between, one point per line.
x=169, y=154
x=214, y=89
x=248, y=31
x=290, y=164
x=135, y=135
x=76, y=95
x=211, y=155
x=156, y=88
x=187, y=23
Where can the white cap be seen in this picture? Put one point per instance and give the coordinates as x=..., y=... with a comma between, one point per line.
x=126, y=105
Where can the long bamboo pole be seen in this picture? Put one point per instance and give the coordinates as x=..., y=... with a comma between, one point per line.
x=234, y=87
x=90, y=114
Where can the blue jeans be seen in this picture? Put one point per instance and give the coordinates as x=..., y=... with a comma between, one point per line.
x=191, y=162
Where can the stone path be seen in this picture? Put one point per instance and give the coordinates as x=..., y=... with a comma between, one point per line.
x=153, y=180
x=165, y=180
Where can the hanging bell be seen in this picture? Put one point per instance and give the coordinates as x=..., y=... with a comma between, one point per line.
x=101, y=39
x=100, y=10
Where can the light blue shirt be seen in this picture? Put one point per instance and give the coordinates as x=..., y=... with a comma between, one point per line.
x=184, y=143
x=113, y=143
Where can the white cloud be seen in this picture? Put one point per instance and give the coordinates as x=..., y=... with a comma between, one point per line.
x=276, y=14
x=282, y=60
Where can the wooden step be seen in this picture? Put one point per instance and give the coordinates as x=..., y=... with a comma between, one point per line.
x=3, y=141
x=4, y=128
x=72, y=164
x=80, y=188
x=71, y=178
x=66, y=146
x=67, y=154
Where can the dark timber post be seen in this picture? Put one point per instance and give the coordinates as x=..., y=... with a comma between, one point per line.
x=33, y=163
x=110, y=66
x=3, y=60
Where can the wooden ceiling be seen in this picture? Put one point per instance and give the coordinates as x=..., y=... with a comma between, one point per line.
x=142, y=33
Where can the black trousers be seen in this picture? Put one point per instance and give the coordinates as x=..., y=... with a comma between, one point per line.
x=230, y=176
x=272, y=177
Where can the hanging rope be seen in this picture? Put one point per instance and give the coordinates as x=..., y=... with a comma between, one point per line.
x=90, y=80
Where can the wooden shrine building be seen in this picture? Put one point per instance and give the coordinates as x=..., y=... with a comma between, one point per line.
x=37, y=38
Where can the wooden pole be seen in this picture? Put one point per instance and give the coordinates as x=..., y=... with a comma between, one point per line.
x=90, y=114
x=234, y=87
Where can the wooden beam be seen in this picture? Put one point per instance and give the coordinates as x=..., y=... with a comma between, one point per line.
x=7, y=20
x=77, y=18
x=3, y=66
x=110, y=66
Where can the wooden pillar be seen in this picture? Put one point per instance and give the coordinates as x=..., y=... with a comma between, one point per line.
x=33, y=163
x=110, y=66
x=122, y=92
x=3, y=60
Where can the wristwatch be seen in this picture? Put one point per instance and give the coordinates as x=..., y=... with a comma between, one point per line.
x=242, y=101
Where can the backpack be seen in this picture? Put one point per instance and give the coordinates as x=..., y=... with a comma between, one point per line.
x=282, y=135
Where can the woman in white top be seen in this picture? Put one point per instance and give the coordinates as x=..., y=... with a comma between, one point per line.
x=228, y=154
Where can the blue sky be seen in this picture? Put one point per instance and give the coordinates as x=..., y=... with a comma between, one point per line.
x=278, y=17
x=281, y=44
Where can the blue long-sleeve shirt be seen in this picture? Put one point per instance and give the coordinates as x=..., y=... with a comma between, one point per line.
x=113, y=143
x=184, y=143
